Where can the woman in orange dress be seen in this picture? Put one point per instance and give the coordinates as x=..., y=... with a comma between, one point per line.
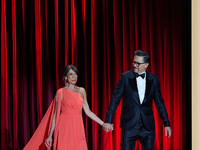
x=64, y=118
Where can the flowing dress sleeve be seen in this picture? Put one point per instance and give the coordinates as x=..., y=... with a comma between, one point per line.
x=40, y=135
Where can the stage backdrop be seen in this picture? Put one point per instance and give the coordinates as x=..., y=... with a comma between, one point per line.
x=40, y=37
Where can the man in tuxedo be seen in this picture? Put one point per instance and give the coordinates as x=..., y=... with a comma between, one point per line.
x=138, y=88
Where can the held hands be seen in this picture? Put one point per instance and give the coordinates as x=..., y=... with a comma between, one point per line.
x=108, y=127
x=48, y=142
x=168, y=132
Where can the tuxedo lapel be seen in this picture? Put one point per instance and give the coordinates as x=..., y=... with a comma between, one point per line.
x=133, y=84
x=149, y=81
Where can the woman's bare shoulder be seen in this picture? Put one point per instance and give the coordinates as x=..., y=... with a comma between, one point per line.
x=81, y=91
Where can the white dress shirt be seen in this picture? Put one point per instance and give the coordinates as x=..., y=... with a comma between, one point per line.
x=141, y=86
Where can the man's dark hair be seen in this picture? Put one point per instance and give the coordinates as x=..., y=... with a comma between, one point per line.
x=146, y=57
x=67, y=68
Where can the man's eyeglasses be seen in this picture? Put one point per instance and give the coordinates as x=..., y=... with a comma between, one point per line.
x=136, y=63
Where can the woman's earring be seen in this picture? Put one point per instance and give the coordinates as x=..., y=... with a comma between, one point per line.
x=65, y=81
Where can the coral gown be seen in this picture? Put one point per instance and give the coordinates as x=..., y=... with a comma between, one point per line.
x=69, y=131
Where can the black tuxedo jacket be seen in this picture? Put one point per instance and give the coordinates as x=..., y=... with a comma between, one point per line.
x=131, y=107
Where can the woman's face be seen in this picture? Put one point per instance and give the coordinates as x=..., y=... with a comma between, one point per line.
x=71, y=77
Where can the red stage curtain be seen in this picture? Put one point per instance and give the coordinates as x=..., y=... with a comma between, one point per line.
x=40, y=37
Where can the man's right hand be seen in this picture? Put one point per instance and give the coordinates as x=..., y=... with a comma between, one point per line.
x=108, y=127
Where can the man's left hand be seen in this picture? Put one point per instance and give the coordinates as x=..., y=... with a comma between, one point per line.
x=168, y=131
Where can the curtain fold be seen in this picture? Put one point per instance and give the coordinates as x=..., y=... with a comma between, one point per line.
x=4, y=80
x=14, y=80
x=40, y=37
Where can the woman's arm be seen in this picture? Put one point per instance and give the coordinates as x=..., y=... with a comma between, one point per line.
x=86, y=108
x=48, y=141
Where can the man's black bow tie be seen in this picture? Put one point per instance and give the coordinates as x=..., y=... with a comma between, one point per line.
x=140, y=75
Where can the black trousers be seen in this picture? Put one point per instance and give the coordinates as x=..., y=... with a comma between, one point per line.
x=128, y=137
